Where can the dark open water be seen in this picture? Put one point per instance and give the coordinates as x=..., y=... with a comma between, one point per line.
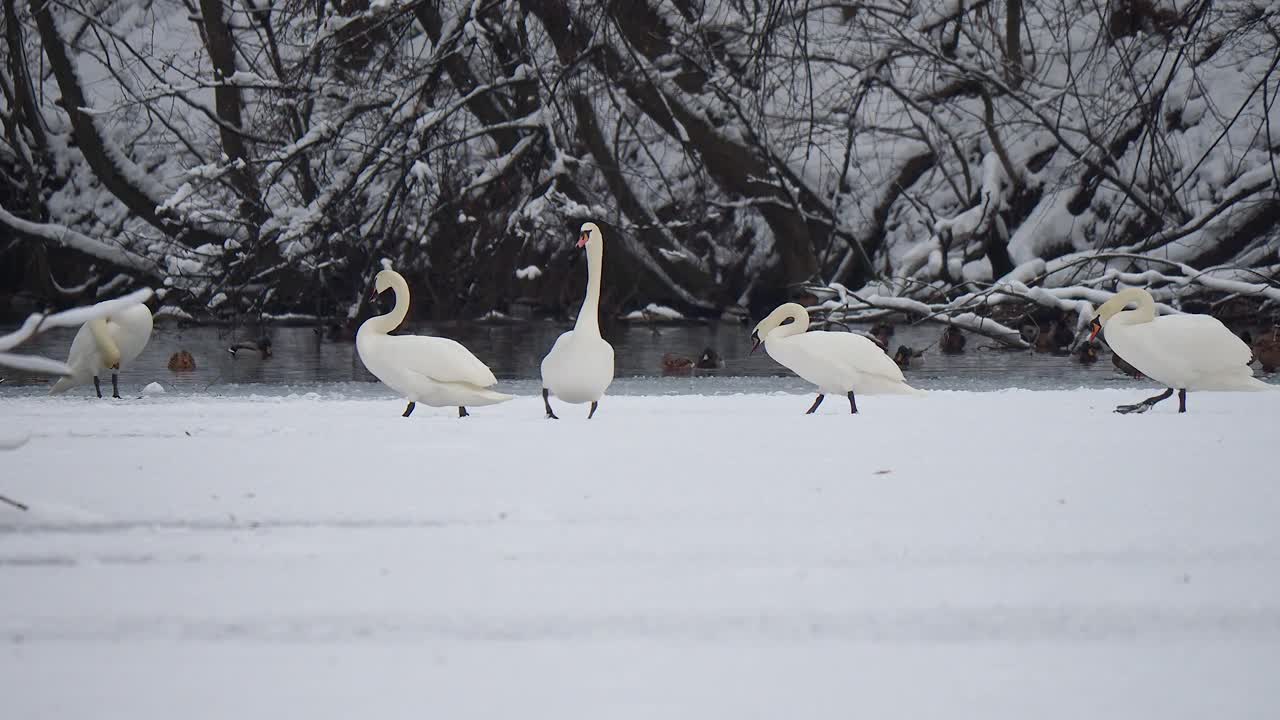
x=303, y=361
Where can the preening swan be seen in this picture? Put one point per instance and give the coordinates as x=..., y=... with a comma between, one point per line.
x=837, y=362
x=435, y=371
x=579, y=367
x=1182, y=352
x=260, y=349
x=105, y=344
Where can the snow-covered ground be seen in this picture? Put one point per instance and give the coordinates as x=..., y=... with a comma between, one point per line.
x=966, y=555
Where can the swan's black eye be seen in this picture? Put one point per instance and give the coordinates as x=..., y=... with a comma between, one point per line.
x=755, y=334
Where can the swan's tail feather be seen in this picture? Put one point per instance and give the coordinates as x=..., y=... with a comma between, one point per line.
x=1238, y=383
x=64, y=384
x=485, y=396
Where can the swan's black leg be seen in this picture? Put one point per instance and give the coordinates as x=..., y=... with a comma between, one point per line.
x=409, y=409
x=1182, y=400
x=115, y=387
x=97, y=386
x=816, y=403
x=853, y=406
x=594, y=404
x=545, y=401
x=1145, y=405
x=462, y=412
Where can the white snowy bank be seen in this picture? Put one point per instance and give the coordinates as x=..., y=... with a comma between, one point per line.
x=966, y=555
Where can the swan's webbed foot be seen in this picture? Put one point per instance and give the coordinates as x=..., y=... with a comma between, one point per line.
x=594, y=405
x=115, y=387
x=815, y=405
x=853, y=406
x=462, y=412
x=1182, y=400
x=409, y=409
x=97, y=385
x=550, y=414
x=1149, y=403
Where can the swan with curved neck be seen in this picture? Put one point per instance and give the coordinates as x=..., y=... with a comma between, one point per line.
x=106, y=343
x=431, y=370
x=579, y=367
x=837, y=362
x=1181, y=352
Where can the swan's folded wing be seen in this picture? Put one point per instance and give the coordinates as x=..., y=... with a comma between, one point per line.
x=440, y=359
x=1183, y=350
x=852, y=351
x=1200, y=341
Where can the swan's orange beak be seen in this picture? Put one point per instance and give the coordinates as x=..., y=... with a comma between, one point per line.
x=583, y=238
x=1096, y=326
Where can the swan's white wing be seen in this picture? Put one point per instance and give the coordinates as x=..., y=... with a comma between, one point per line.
x=849, y=350
x=838, y=362
x=1178, y=350
x=553, y=360
x=84, y=358
x=131, y=330
x=440, y=359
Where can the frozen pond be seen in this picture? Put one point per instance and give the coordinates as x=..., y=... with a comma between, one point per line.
x=303, y=359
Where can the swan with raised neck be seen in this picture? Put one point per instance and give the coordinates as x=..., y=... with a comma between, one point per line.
x=579, y=367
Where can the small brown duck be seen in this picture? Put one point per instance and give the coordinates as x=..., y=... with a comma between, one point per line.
x=709, y=360
x=1087, y=354
x=1055, y=338
x=1266, y=350
x=903, y=356
x=881, y=332
x=182, y=361
x=673, y=364
x=952, y=341
x=249, y=348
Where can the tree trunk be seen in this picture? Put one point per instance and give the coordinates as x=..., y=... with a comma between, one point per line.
x=484, y=106
x=22, y=91
x=1013, y=43
x=229, y=105
x=737, y=167
x=108, y=163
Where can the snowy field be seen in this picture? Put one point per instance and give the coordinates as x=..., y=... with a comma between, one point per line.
x=967, y=555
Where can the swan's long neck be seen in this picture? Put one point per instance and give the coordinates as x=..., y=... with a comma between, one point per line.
x=1144, y=312
x=799, y=315
x=106, y=344
x=386, y=323
x=589, y=315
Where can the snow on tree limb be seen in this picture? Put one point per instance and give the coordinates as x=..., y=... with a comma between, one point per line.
x=66, y=237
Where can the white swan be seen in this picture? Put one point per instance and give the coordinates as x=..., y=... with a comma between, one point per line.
x=436, y=371
x=1182, y=352
x=106, y=343
x=837, y=362
x=579, y=367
